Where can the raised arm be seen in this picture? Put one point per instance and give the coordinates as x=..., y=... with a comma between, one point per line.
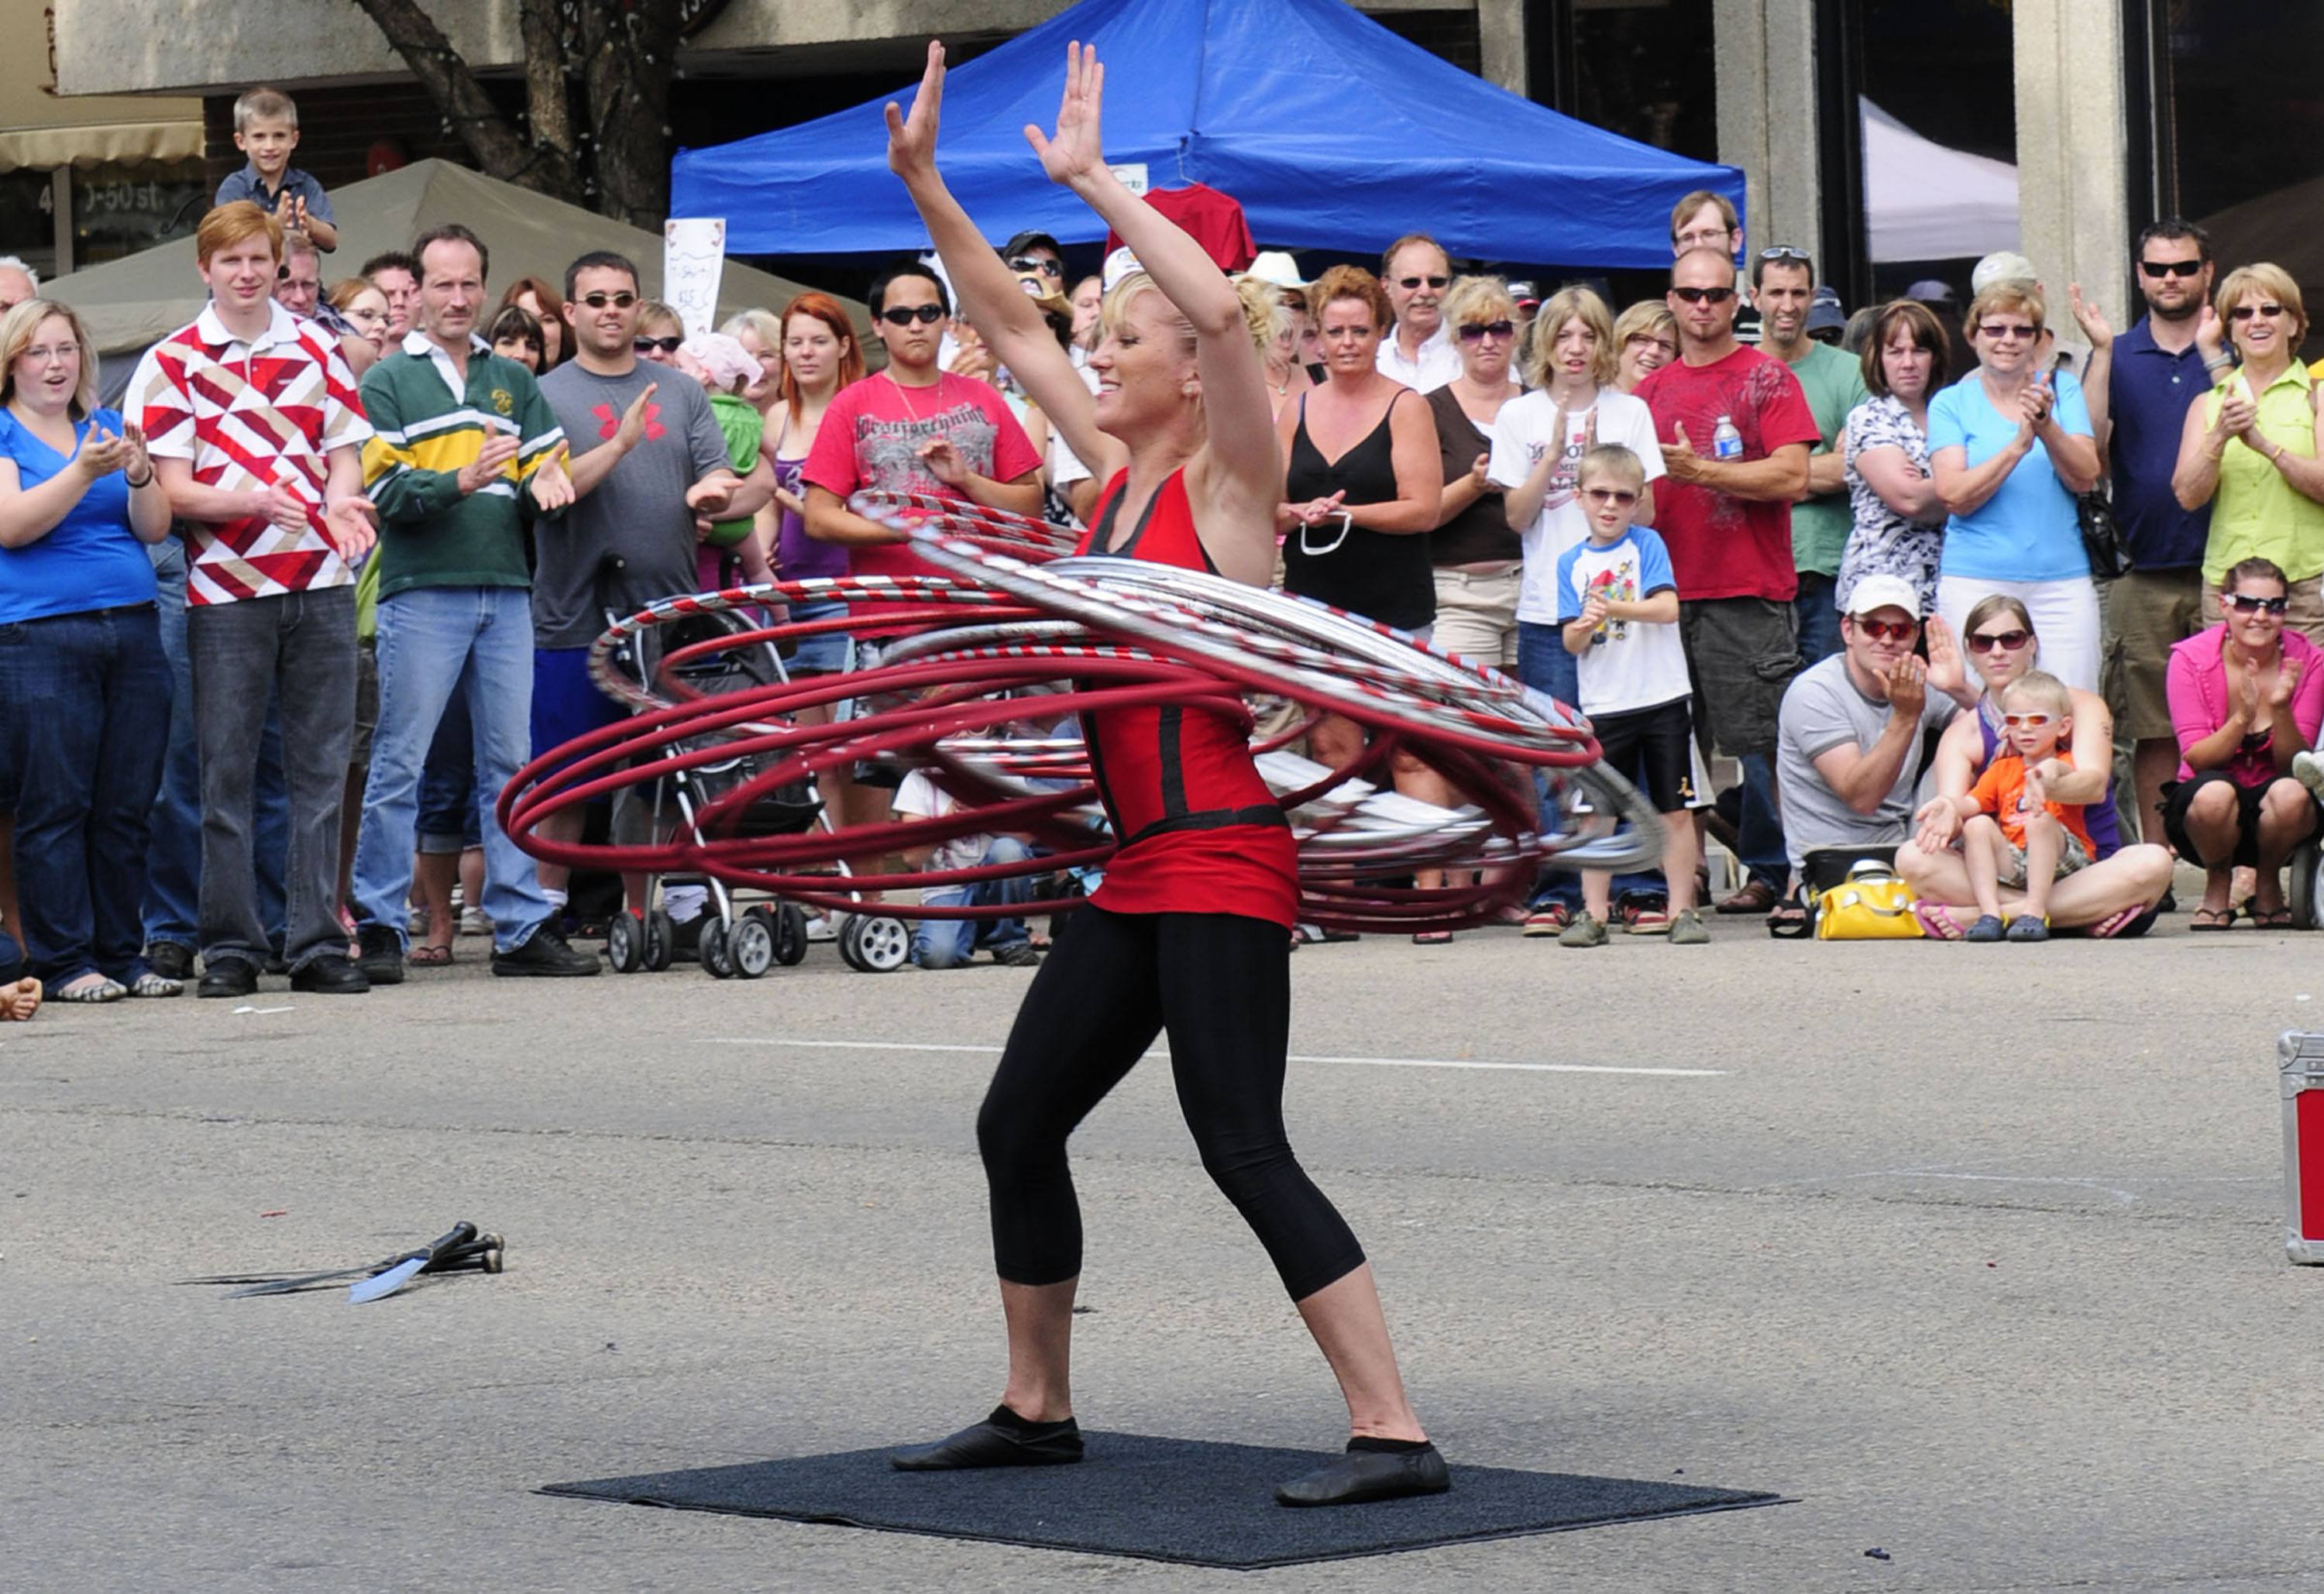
x=1007, y=321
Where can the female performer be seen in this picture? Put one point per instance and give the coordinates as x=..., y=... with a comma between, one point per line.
x=1191, y=931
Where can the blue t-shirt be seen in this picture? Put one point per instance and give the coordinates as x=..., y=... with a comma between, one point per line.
x=247, y=184
x=2026, y=532
x=1631, y=664
x=2149, y=394
x=91, y=559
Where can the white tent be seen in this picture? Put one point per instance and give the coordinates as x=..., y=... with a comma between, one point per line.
x=1923, y=201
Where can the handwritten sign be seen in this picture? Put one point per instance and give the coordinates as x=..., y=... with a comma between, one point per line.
x=693, y=255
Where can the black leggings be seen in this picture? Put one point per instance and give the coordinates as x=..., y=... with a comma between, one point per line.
x=1221, y=984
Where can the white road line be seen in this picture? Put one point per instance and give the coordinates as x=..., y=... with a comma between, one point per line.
x=897, y=1046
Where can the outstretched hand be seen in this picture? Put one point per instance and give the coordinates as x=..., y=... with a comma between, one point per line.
x=912, y=140
x=1075, y=150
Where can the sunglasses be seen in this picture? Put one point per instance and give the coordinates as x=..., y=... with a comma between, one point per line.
x=1703, y=295
x=1027, y=262
x=620, y=302
x=1784, y=252
x=1890, y=630
x=2244, y=605
x=2009, y=331
x=2244, y=312
x=2026, y=722
x=1409, y=283
x=2160, y=268
x=926, y=315
x=2007, y=641
x=1621, y=495
x=1477, y=331
x=647, y=346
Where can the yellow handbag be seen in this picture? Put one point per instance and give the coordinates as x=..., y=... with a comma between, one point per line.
x=1872, y=904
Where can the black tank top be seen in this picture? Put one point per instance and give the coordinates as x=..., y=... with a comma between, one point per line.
x=1378, y=575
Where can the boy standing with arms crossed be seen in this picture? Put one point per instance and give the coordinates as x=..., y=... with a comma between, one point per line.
x=1618, y=608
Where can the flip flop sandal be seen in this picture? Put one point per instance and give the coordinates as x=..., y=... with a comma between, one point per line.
x=1937, y=921
x=2272, y=918
x=2114, y=923
x=429, y=957
x=2212, y=918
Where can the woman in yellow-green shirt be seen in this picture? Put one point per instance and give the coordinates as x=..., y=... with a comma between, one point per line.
x=2251, y=443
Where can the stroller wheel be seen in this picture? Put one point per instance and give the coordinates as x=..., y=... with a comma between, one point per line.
x=662, y=940
x=625, y=942
x=716, y=963
x=882, y=944
x=850, y=926
x=791, y=933
x=751, y=949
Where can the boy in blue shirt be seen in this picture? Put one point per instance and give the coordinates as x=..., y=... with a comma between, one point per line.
x=1618, y=608
x=266, y=129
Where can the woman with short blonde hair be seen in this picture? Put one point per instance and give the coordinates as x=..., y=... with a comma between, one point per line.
x=1646, y=338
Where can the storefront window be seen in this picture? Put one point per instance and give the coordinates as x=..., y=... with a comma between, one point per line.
x=1940, y=138
x=1645, y=69
x=119, y=210
x=2239, y=131
x=28, y=228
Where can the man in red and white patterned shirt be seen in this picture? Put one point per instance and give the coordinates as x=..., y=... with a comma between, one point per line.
x=253, y=424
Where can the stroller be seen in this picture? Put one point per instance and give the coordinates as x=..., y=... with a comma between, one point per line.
x=731, y=942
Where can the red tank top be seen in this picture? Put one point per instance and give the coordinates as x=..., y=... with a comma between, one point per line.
x=1199, y=831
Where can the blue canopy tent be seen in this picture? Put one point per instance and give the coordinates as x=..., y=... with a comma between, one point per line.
x=1333, y=133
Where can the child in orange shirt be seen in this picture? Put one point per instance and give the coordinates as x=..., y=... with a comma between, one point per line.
x=2012, y=835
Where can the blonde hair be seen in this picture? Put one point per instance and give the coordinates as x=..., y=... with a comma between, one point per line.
x=654, y=311
x=1643, y=319
x=270, y=103
x=1116, y=304
x=17, y=329
x=2006, y=295
x=764, y=324
x=1611, y=459
x=1477, y=298
x=1571, y=304
x=2272, y=282
x=2042, y=688
x=1264, y=312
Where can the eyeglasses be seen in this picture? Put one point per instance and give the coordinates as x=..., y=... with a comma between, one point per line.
x=1702, y=237
x=1785, y=252
x=2009, y=331
x=647, y=346
x=1703, y=295
x=2007, y=642
x=1888, y=630
x=2025, y=722
x=1620, y=495
x=1409, y=283
x=926, y=315
x=1034, y=262
x=2246, y=606
x=620, y=302
x=1477, y=331
x=2160, y=268
x=2244, y=312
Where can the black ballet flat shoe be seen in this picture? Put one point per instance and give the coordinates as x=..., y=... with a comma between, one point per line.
x=1363, y=1475
x=1004, y=1439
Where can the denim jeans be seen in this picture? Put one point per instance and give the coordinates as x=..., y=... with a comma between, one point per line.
x=173, y=857
x=304, y=644
x=435, y=641
x=1545, y=665
x=90, y=694
x=1818, y=608
x=948, y=943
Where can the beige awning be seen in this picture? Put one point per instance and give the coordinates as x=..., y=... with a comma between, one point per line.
x=44, y=148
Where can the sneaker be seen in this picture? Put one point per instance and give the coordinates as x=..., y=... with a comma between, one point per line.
x=378, y=954
x=1645, y=920
x=2028, y=926
x=473, y=922
x=821, y=928
x=1017, y=954
x=2309, y=771
x=1584, y=931
x=1549, y=920
x=544, y=954
x=1686, y=929
x=1986, y=928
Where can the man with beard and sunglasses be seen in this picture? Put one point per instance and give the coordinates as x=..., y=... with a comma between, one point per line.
x=1418, y=352
x=2139, y=387
x=1735, y=428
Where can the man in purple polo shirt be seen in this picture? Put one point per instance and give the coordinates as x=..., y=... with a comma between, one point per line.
x=2139, y=386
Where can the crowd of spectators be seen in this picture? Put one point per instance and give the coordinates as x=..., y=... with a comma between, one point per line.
x=276, y=631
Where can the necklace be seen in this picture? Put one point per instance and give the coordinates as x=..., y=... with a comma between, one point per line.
x=905, y=393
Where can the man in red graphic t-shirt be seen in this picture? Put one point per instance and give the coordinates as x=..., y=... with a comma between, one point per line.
x=1736, y=429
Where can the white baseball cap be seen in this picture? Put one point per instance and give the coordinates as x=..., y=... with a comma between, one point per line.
x=1276, y=266
x=2005, y=265
x=1885, y=592
x=1120, y=263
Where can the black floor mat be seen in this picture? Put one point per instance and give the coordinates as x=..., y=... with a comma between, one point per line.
x=1160, y=1500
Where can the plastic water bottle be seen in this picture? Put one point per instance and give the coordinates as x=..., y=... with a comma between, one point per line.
x=1725, y=442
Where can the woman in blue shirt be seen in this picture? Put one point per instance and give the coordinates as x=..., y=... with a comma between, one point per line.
x=84, y=692
x=2009, y=447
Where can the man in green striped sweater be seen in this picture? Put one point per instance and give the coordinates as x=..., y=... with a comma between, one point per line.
x=459, y=433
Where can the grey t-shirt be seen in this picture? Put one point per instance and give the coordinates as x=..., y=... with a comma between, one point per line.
x=637, y=514
x=1821, y=710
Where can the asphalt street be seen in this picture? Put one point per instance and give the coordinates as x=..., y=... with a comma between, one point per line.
x=1974, y=1254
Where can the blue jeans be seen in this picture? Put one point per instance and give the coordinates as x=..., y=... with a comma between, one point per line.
x=948, y=943
x=1545, y=665
x=475, y=641
x=173, y=857
x=91, y=695
x=1818, y=608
